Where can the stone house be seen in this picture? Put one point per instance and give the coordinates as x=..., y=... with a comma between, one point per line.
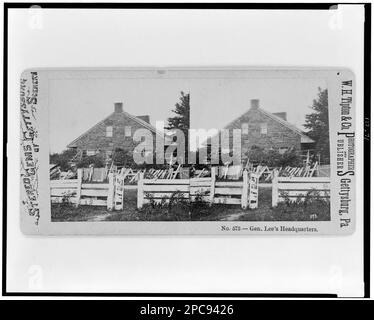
x=112, y=133
x=269, y=131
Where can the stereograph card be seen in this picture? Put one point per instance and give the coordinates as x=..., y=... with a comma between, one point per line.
x=229, y=151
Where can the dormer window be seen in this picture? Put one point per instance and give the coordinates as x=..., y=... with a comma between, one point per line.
x=109, y=131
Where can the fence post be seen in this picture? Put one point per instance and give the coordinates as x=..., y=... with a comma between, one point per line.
x=253, y=190
x=122, y=188
x=140, y=190
x=119, y=192
x=90, y=174
x=110, y=199
x=212, y=186
x=245, y=190
x=274, y=189
x=79, y=186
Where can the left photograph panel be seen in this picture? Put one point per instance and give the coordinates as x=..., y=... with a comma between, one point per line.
x=106, y=134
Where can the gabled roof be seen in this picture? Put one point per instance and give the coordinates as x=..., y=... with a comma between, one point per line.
x=304, y=137
x=124, y=113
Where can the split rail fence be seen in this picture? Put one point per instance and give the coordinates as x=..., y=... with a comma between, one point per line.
x=207, y=189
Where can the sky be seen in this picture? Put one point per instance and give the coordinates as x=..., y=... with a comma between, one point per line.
x=219, y=101
x=78, y=104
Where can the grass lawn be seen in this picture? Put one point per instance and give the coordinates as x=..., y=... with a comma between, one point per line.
x=312, y=210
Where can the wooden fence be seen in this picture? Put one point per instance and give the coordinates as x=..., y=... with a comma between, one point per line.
x=298, y=187
x=244, y=193
x=110, y=194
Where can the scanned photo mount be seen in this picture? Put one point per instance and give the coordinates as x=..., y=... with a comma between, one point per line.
x=188, y=151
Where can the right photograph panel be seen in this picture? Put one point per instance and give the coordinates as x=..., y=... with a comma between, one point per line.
x=270, y=135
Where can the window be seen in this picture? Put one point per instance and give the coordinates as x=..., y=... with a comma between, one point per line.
x=127, y=131
x=109, y=131
x=244, y=128
x=264, y=128
x=91, y=152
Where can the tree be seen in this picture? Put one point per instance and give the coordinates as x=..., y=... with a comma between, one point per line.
x=62, y=159
x=318, y=125
x=123, y=158
x=96, y=161
x=181, y=120
x=273, y=158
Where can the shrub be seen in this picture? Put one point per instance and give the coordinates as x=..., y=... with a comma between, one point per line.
x=62, y=159
x=96, y=160
x=310, y=206
x=67, y=198
x=63, y=208
x=199, y=207
x=123, y=158
x=273, y=158
x=175, y=207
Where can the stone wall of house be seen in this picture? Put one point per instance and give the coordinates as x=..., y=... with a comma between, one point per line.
x=277, y=136
x=96, y=139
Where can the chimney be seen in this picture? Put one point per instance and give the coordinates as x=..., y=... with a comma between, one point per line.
x=144, y=118
x=282, y=115
x=255, y=104
x=118, y=107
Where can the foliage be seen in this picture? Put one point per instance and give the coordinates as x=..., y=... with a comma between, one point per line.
x=62, y=159
x=123, y=158
x=313, y=208
x=181, y=120
x=273, y=158
x=175, y=207
x=67, y=198
x=317, y=123
x=310, y=206
x=199, y=208
x=96, y=160
x=63, y=208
